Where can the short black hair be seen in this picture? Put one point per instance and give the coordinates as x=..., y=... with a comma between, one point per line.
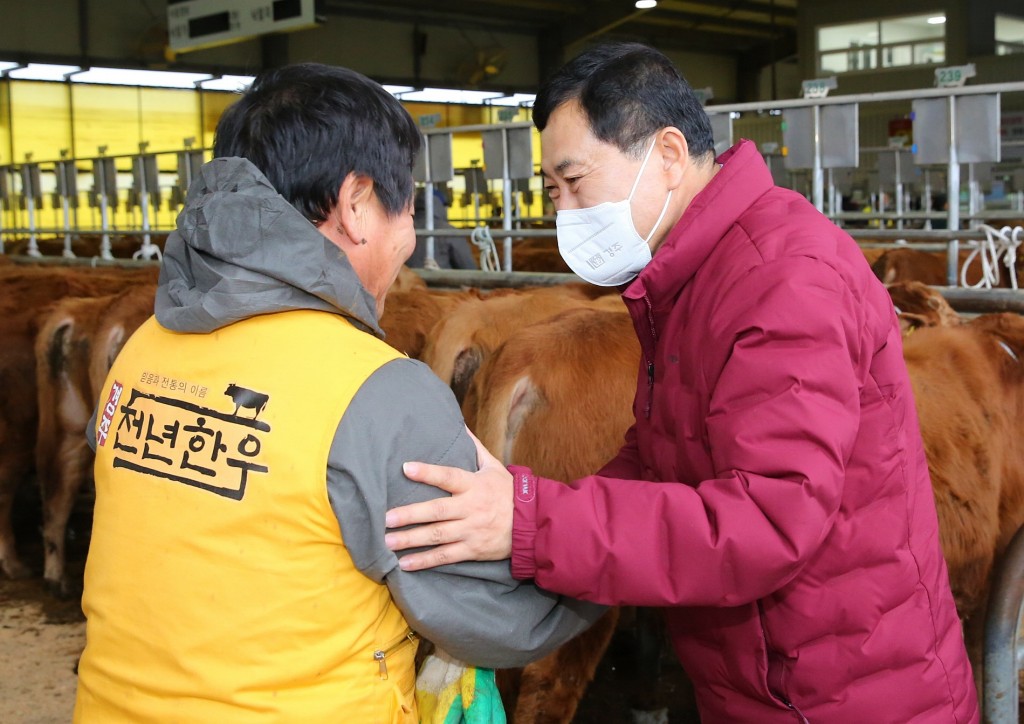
x=307, y=126
x=629, y=92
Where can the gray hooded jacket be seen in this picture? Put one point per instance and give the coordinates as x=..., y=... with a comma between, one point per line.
x=241, y=250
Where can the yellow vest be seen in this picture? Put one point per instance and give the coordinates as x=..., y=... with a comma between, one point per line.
x=218, y=588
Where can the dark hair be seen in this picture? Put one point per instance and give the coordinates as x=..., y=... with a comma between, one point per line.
x=628, y=92
x=307, y=126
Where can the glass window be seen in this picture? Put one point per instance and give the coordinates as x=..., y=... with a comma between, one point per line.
x=883, y=43
x=843, y=36
x=896, y=55
x=916, y=27
x=1009, y=34
x=925, y=53
x=834, y=62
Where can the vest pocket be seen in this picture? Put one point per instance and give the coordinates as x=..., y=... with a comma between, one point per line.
x=381, y=655
x=403, y=706
x=395, y=666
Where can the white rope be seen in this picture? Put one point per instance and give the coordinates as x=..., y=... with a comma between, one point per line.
x=489, y=258
x=998, y=246
x=148, y=251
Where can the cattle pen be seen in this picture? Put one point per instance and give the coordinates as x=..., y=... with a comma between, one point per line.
x=928, y=180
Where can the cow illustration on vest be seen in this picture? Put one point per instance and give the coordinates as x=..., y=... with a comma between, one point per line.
x=246, y=398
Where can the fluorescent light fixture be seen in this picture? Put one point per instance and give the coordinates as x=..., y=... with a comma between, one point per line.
x=517, y=99
x=446, y=95
x=150, y=78
x=646, y=4
x=937, y=20
x=234, y=83
x=7, y=65
x=40, y=71
x=396, y=89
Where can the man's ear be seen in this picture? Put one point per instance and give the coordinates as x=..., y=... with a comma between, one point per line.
x=354, y=199
x=675, y=155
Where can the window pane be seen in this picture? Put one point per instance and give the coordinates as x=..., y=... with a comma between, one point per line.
x=896, y=55
x=834, y=62
x=929, y=53
x=838, y=37
x=1009, y=34
x=915, y=27
x=862, y=58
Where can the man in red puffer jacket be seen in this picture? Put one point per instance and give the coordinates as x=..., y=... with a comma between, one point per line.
x=773, y=494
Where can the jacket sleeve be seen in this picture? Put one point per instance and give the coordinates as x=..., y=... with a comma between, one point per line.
x=90, y=430
x=476, y=611
x=783, y=417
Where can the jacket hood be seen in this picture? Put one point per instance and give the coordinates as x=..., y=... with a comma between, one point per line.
x=240, y=249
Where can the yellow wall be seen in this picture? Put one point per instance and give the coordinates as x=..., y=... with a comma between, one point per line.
x=5, y=126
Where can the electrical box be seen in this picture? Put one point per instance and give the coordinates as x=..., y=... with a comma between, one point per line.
x=895, y=163
x=837, y=131
x=977, y=129
x=434, y=162
x=520, y=153
x=721, y=131
x=197, y=24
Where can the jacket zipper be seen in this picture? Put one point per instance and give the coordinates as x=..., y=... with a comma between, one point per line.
x=774, y=674
x=381, y=654
x=649, y=360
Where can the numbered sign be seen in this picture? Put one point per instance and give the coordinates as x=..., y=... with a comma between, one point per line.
x=704, y=95
x=430, y=120
x=954, y=76
x=819, y=87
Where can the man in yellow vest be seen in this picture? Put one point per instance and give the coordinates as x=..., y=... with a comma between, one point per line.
x=251, y=437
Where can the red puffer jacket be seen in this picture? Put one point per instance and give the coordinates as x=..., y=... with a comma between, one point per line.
x=773, y=494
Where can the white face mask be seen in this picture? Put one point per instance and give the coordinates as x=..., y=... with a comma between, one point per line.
x=601, y=244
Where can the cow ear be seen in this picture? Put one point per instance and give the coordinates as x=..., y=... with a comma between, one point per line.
x=909, y=322
x=466, y=365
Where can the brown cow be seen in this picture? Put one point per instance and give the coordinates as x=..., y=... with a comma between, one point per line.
x=871, y=255
x=75, y=347
x=460, y=342
x=407, y=281
x=897, y=265
x=556, y=396
x=533, y=399
x=918, y=305
x=969, y=387
x=538, y=254
x=24, y=293
x=410, y=315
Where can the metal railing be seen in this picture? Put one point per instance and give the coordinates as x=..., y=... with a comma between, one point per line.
x=1002, y=637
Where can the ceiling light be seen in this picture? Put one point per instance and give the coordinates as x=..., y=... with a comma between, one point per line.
x=40, y=71
x=517, y=99
x=937, y=20
x=145, y=78
x=396, y=89
x=646, y=4
x=234, y=83
x=445, y=95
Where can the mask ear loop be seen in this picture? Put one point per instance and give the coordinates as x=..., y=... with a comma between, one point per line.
x=662, y=216
x=636, y=182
